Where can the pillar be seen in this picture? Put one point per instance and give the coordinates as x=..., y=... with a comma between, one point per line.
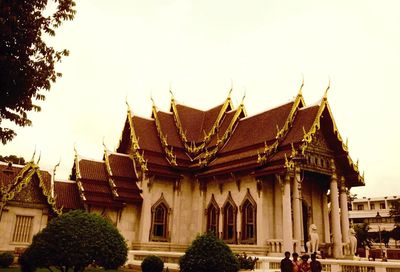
x=325, y=212
x=344, y=211
x=287, y=215
x=297, y=209
x=335, y=216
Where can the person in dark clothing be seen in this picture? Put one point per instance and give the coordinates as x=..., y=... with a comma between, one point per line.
x=315, y=265
x=286, y=263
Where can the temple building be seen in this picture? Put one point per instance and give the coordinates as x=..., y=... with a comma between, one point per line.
x=258, y=182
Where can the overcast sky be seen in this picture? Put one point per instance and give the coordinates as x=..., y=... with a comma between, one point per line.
x=125, y=49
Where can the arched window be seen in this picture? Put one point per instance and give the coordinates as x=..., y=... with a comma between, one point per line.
x=249, y=215
x=229, y=218
x=212, y=214
x=159, y=220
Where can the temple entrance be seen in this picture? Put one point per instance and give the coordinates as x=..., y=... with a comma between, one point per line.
x=305, y=210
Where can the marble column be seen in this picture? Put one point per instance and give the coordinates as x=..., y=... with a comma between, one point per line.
x=287, y=215
x=344, y=211
x=325, y=211
x=335, y=216
x=297, y=209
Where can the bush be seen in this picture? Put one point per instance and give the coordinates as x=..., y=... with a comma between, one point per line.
x=152, y=263
x=246, y=262
x=6, y=259
x=75, y=240
x=207, y=253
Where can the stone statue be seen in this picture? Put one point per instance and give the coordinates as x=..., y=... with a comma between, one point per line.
x=312, y=244
x=352, y=242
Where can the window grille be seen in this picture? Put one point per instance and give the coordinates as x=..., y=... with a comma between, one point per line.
x=22, y=229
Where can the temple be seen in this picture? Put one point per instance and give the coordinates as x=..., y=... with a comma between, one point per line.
x=258, y=182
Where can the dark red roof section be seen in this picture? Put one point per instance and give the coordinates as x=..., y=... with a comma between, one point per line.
x=124, y=177
x=92, y=170
x=168, y=128
x=192, y=121
x=67, y=195
x=122, y=166
x=8, y=173
x=258, y=128
x=95, y=183
x=305, y=118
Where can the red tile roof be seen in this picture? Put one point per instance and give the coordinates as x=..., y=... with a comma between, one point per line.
x=67, y=195
x=278, y=127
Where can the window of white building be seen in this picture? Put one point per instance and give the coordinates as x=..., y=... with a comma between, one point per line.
x=22, y=229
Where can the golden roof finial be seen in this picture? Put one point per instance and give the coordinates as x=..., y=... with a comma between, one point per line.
x=104, y=145
x=128, y=107
x=34, y=153
x=301, y=86
x=230, y=91
x=40, y=155
x=55, y=168
x=75, y=151
x=327, y=88
x=244, y=96
x=152, y=101
x=170, y=91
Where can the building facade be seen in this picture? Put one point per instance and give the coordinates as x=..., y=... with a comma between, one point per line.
x=258, y=182
x=373, y=211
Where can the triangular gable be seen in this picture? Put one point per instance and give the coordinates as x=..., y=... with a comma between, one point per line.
x=28, y=178
x=324, y=124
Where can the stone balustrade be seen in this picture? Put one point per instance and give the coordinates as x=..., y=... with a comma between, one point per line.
x=264, y=264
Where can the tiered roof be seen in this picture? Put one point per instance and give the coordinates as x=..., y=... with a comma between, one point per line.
x=110, y=182
x=224, y=140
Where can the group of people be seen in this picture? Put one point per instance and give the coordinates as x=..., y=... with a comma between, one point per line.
x=302, y=264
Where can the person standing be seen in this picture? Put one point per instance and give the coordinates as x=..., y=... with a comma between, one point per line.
x=305, y=266
x=315, y=265
x=296, y=262
x=286, y=263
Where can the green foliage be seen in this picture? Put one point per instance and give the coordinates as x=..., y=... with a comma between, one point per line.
x=364, y=238
x=12, y=158
x=246, y=262
x=6, y=259
x=207, y=253
x=395, y=233
x=75, y=240
x=395, y=211
x=27, y=62
x=152, y=263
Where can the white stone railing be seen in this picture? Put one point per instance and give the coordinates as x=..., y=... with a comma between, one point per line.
x=264, y=264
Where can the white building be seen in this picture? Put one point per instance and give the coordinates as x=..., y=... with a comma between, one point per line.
x=365, y=210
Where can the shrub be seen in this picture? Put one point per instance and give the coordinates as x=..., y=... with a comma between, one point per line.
x=207, y=253
x=6, y=259
x=75, y=240
x=152, y=263
x=246, y=262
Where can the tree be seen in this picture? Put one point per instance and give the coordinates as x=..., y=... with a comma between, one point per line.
x=207, y=253
x=385, y=237
x=152, y=263
x=395, y=211
x=13, y=158
x=27, y=63
x=395, y=234
x=364, y=237
x=75, y=240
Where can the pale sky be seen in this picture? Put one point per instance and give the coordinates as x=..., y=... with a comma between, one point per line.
x=125, y=49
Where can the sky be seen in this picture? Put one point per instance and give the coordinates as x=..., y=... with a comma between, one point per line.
x=130, y=50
